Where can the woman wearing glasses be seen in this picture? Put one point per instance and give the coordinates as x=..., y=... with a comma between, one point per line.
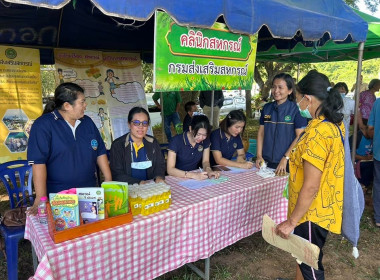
x=136, y=157
x=190, y=150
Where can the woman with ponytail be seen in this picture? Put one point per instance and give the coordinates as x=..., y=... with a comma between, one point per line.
x=65, y=145
x=316, y=169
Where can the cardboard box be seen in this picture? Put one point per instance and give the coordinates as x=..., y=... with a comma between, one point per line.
x=85, y=229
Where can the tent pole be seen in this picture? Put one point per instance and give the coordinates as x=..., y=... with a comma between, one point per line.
x=162, y=117
x=212, y=109
x=357, y=95
x=59, y=28
x=298, y=71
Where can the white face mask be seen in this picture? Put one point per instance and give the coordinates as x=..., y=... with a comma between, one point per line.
x=142, y=164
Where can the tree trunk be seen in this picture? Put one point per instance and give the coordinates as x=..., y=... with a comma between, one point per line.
x=248, y=108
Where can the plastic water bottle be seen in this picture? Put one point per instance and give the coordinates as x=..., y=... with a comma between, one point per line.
x=42, y=213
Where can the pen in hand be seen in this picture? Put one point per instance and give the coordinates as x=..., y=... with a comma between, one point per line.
x=200, y=168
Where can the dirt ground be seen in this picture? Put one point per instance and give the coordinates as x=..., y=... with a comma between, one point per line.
x=253, y=258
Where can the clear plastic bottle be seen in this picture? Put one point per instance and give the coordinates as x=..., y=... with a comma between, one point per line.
x=42, y=213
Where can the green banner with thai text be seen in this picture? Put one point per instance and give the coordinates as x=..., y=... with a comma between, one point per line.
x=191, y=59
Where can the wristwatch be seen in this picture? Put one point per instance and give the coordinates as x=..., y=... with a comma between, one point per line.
x=287, y=158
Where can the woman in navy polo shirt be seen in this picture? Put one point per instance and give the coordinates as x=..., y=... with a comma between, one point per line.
x=189, y=149
x=226, y=140
x=136, y=157
x=65, y=146
x=280, y=125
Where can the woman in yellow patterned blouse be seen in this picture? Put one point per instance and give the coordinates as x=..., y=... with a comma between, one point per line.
x=316, y=169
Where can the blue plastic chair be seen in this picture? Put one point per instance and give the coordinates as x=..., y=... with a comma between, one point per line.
x=252, y=147
x=17, y=179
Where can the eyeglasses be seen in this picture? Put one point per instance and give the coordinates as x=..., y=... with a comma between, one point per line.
x=138, y=123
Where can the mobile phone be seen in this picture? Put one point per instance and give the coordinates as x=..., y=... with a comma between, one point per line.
x=216, y=168
x=224, y=168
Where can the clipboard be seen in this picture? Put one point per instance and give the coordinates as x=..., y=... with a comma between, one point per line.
x=299, y=247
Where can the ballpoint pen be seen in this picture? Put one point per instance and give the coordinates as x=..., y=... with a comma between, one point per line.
x=200, y=168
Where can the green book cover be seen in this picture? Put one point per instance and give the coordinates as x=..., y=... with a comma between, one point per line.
x=115, y=198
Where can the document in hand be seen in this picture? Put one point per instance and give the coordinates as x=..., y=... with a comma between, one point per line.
x=299, y=247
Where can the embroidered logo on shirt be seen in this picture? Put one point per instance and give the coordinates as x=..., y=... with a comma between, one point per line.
x=200, y=148
x=288, y=118
x=94, y=144
x=235, y=145
x=267, y=116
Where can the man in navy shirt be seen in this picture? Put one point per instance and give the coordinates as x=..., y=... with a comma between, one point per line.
x=190, y=108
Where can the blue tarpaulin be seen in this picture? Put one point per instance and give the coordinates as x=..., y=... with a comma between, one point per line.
x=128, y=24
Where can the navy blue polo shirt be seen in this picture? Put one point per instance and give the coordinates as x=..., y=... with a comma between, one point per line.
x=186, y=122
x=188, y=157
x=220, y=142
x=70, y=162
x=280, y=123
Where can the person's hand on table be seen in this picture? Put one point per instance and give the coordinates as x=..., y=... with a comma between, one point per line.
x=33, y=210
x=284, y=229
x=197, y=175
x=246, y=165
x=211, y=174
x=259, y=160
x=160, y=180
x=281, y=168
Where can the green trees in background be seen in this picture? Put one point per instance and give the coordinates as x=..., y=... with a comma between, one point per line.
x=47, y=80
x=345, y=71
x=336, y=71
x=147, y=69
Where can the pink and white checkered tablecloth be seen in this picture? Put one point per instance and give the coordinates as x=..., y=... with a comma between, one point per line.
x=197, y=224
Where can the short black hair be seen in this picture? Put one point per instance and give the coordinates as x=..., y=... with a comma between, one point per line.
x=136, y=110
x=343, y=85
x=188, y=105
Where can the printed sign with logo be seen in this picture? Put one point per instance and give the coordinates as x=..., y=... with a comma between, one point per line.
x=20, y=99
x=189, y=59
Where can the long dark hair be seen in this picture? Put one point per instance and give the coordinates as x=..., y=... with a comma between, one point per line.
x=232, y=118
x=136, y=110
x=289, y=84
x=318, y=85
x=198, y=122
x=65, y=92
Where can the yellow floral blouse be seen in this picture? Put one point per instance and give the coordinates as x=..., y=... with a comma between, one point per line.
x=322, y=146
